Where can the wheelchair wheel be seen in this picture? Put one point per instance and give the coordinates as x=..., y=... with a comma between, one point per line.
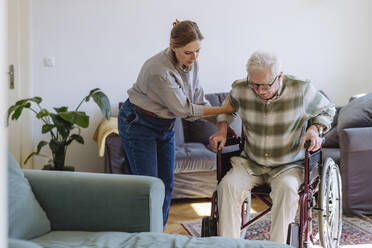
x=209, y=226
x=245, y=214
x=330, y=202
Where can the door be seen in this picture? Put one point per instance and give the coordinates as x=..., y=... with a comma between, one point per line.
x=18, y=85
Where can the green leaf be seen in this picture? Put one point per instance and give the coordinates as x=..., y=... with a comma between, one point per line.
x=29, y=156
x=93, y=91
x=21, y=102
x=76, y=137
x=63, y=127
x=103, y=103
x=46, y=128
x=10, y=110
x=39, y=146
x=76, y=117
x=19, y=105
x=17, y=113
x=87, y=98
x=42, y=113
x=36, y=99
x=61, y=109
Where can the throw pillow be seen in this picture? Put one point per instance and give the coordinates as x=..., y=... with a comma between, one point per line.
x=357, y=113
x=26, y=218
x=331, y=139
x=198, y=131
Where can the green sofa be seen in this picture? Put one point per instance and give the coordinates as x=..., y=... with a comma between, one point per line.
x=76, y=209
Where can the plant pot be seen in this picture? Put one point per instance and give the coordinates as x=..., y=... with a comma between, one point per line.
x=63, y=168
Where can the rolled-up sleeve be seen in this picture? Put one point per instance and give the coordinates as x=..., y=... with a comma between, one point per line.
x=318, y=107
x=229, y=117
x=172, y=95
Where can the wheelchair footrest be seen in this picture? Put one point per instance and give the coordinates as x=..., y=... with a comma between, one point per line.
x=209, y=227
x=293, y=235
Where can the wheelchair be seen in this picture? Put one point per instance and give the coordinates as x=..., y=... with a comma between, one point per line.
x=320, y=192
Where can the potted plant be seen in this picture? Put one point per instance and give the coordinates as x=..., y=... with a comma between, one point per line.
x=64, y=126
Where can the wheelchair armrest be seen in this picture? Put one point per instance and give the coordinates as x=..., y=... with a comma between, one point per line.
x=315, y=158
x=230, y=141
x=223, y=158
x=231, y=132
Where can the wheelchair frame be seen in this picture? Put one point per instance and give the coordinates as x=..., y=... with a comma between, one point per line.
x=327, y=191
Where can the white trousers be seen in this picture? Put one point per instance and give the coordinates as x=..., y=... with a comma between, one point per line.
x=235, y=187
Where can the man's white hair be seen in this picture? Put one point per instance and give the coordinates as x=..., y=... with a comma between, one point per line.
x=262, y=60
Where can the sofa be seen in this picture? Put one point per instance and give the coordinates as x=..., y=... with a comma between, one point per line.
x=349, y=143
x=195, y=166
x=54, y=209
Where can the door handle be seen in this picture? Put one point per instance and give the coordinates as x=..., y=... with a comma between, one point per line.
x=11, y=76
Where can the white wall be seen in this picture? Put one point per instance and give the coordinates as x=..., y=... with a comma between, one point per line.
x=3, y=139
x=103, y=43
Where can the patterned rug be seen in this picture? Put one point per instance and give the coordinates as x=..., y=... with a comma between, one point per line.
x=355, y=230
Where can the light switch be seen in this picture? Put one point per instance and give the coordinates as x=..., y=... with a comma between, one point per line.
x=49, y=62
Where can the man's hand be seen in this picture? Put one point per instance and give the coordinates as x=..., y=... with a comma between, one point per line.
x=218, y=139
x=312, y=135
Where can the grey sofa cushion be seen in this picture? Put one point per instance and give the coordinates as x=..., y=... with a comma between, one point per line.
x=194, y=157
x=26, y=217
x=357, y=113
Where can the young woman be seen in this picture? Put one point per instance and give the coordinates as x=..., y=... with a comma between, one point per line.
x=167, y=87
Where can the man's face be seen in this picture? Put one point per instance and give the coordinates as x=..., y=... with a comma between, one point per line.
x=260, y=81
x=188, y=54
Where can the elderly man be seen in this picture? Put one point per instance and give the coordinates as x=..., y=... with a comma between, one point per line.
x=279, y=113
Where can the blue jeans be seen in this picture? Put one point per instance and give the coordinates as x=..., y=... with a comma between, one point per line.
x=150, y=147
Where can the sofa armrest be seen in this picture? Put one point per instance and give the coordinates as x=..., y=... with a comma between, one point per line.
x=18, y=243
x=356, y=139
x=356, y=169
x=99, y=202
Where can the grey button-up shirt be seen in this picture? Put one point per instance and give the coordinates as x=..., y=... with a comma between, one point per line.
x=163, y=88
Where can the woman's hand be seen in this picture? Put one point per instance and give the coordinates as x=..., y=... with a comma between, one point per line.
x=228, y=107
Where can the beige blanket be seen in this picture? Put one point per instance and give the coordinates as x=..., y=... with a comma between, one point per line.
x=105, y=128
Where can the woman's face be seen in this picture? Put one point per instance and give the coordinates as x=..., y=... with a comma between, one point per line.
x=187, y=55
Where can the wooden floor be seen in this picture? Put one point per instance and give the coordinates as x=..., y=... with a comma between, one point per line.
x=190, y=209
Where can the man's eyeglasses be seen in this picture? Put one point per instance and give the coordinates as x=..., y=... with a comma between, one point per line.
x=262, y=86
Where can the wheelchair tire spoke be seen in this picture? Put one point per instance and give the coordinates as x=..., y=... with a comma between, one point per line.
x=330, y=218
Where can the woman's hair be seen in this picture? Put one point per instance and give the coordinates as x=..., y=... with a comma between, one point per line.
x=262, y=60
x=184, y=32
